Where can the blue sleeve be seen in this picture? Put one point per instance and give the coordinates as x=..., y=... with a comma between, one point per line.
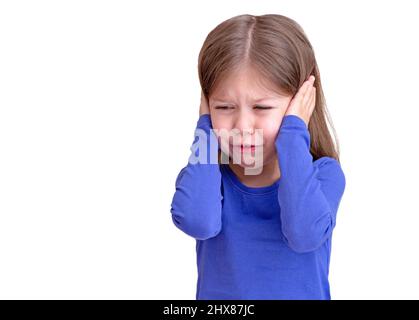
x=197, y=203
x=309, y=192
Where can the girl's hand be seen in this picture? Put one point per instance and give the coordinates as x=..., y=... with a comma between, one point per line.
x=203, y=108
x=303, y=103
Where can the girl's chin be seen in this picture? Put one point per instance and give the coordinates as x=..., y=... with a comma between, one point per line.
x=249, y=166
x=244, y=162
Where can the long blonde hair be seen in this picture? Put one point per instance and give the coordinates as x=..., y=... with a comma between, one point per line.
x=279, y=49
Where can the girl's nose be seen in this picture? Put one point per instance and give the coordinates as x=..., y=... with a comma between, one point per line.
x=245, y=122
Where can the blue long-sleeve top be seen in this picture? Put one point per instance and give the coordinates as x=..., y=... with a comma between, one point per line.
x=271, y=242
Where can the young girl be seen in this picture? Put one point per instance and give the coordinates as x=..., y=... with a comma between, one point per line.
x=265, y=235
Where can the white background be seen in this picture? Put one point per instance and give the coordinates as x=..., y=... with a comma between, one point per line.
x=99, y=102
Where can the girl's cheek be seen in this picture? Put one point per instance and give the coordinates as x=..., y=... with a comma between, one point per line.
x=223, y=143
x=268, y=130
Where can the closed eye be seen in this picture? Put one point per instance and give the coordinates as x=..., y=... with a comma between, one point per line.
x=262, y=107
x=223, y=107
x=256, y=107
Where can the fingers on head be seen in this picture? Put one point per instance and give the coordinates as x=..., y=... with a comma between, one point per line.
x=306, y=87
x=308, y=95
x=312, y=101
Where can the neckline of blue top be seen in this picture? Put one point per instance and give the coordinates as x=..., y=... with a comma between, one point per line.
x=225, y=168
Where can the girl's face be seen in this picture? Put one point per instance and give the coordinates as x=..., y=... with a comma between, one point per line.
x=241, y=105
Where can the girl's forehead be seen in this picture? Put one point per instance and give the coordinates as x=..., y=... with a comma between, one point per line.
x=245, y=84
x=255, y=100
x=253, y=94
